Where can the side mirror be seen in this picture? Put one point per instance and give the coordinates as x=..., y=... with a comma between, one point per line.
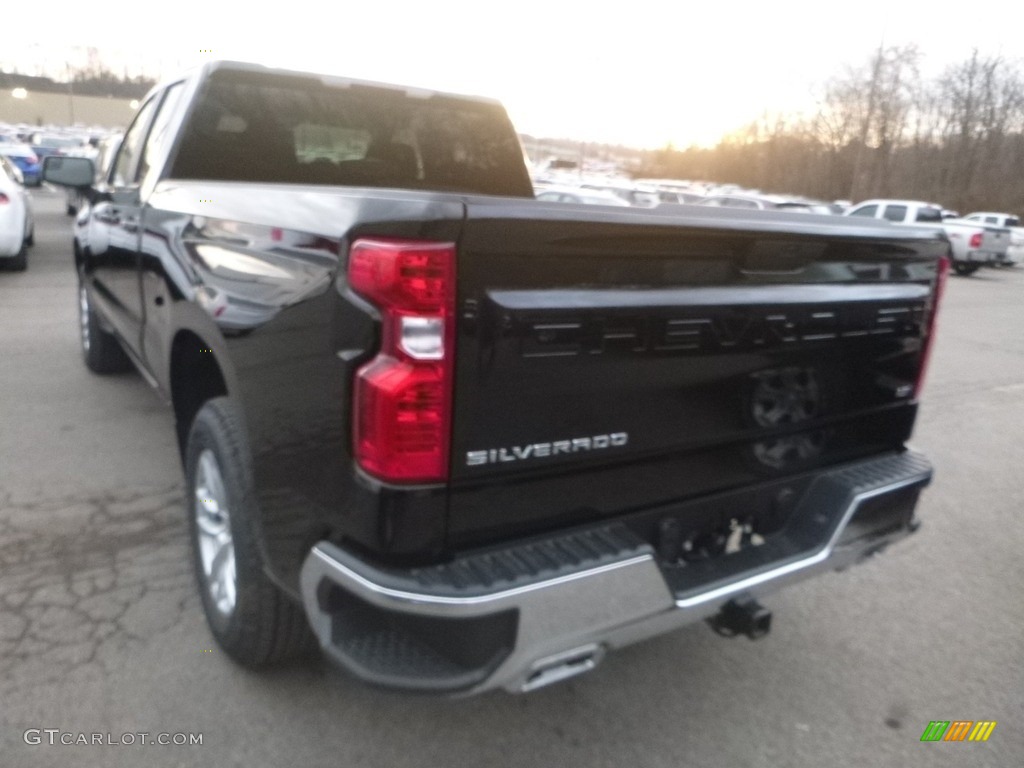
x=68, y=171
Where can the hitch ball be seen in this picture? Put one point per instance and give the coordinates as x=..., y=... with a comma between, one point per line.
x=743, y=616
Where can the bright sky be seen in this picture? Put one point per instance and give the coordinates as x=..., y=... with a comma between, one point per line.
x=637, y=72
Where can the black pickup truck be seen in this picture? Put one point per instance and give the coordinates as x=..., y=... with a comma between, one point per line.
x=467, y=439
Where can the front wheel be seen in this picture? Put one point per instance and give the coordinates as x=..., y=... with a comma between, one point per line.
x=100, y=349
x=20, y=261
x=965, y=268
x=250, y=618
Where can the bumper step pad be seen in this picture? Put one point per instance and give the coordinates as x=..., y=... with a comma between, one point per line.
x=542, y=609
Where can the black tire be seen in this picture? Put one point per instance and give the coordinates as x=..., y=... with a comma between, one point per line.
x=100, y=349
x=20, y=262
x=31, y=239
x=965, y=268
x=259, y=625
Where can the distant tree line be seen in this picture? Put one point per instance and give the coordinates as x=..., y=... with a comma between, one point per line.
x=882, y=131
x=106, y=84
x=110, y=84
x=93, y=78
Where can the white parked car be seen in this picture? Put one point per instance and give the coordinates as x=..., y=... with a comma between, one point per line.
x=975, y=244
x=579, y=195
x=16, y=223
x=633, y=195
x=1015, y=253
x=767, y=203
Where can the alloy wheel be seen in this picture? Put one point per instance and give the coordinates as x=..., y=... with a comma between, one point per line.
x=213, y=522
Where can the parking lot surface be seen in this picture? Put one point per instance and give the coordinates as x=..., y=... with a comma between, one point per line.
x=101, y=631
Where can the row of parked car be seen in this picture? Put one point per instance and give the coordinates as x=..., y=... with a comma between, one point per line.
x=983, y=238
x=26, y=146
x=649, y=193
x=22, y=151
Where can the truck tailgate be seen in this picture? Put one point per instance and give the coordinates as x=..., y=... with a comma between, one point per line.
x=612, y=361
x=996, y=240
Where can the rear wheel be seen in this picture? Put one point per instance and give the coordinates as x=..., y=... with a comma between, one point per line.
x=100, y=348
x=251, y=619
x=965, y=268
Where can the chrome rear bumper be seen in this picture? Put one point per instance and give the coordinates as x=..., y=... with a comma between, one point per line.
x=536, y=612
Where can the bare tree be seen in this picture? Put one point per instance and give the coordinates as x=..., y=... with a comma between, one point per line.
x=880, y=131
x=981, y=99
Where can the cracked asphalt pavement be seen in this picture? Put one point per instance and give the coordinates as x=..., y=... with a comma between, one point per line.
x=101, y=630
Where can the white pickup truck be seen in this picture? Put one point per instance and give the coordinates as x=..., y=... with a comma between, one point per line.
x=1015, y=253
x=975, y=243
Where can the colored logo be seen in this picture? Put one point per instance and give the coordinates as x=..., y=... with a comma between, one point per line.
x=958, y=730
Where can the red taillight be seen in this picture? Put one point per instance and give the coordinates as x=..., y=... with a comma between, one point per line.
x=403, y=397
x=942, y=269
x=4, y=199
x=976, y=240
x=32, y=159
x=402, y=275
